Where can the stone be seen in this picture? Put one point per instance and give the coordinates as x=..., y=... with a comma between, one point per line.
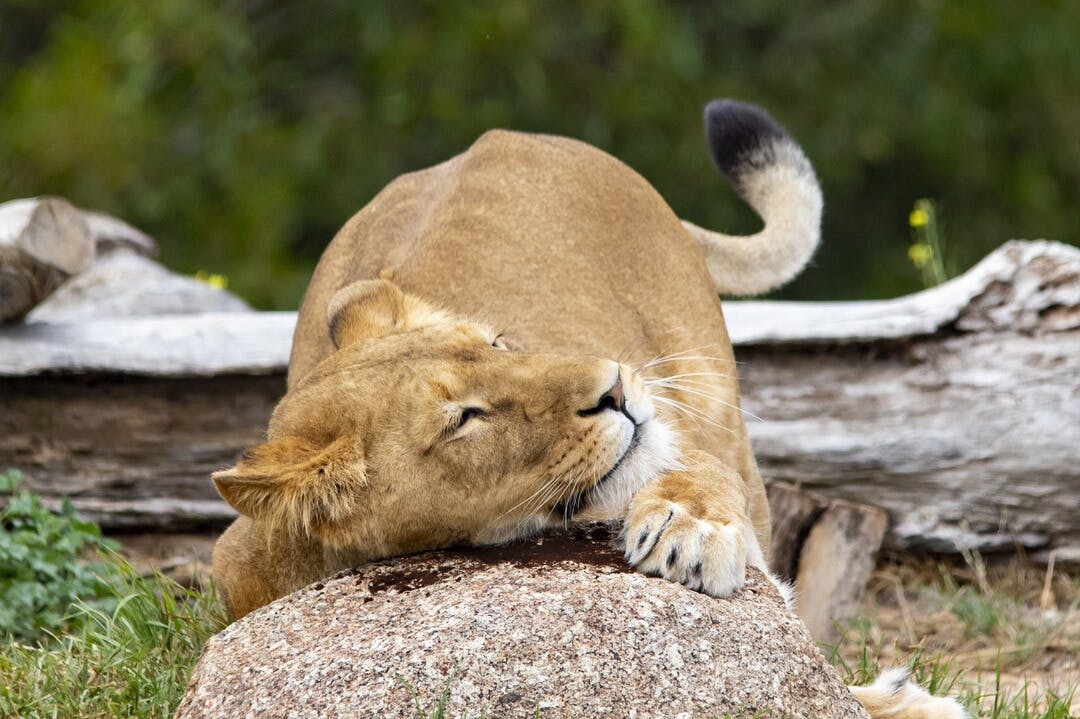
x=555, y=627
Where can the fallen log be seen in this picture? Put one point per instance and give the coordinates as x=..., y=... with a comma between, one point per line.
x=43, y=241
x=132, y=452
x=956, y=409
x=959, y=414
x=123, y=282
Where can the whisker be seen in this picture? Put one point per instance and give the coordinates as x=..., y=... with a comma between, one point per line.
x=697, y=358
x=694, y=387
x=629, y=348
x=650, y=381
x=694, y=374
x=663, y=355
x=543, y=488
x=686, y=355
x=678, y=408
x=712, y=398
x=691, y=411
x=696, y=417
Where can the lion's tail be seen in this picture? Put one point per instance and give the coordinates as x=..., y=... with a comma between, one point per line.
x=772, y=174
x=893, y=695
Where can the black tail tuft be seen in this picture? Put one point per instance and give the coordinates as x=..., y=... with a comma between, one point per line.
x=737, y=132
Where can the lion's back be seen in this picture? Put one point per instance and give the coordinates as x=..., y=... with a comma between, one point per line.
x=545, y=236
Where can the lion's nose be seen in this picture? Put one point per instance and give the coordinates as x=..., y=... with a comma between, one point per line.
x=612, y=399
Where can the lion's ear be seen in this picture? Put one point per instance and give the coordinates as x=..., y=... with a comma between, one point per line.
x=375, y=308
x=296, y=486
x=364, y=310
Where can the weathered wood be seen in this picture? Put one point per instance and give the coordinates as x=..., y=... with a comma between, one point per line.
x=970, y=440
x=134, y=452
x=122, y=282
x=828, y=547
x=793, y=513
x=835, y=563
x=110, y=233
x=43, y=241
x=965, y=426
x=201, y=345
x=1020, y=287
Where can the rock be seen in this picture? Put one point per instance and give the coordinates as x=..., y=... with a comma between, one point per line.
x=125, y=283
x=555, y=627
x=43, y=241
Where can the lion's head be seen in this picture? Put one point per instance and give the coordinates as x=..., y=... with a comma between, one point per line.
x=422, y=430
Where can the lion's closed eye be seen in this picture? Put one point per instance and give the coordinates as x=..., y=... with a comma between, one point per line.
x=507, y=344
x=460, y=423
x=468, y=413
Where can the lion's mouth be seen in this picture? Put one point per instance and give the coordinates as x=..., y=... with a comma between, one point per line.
x=571, y=505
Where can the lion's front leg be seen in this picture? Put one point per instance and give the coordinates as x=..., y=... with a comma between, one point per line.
x=693, y=526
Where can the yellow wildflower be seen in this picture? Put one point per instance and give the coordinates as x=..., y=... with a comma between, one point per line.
x=218, y=282
x=920, y=254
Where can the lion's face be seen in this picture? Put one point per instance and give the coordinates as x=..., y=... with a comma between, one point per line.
x=422, y=430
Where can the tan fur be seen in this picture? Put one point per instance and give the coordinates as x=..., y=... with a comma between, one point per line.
x=566, y=252
x=363, y=460
x=894, y=696
x=555, y=249
x=693, y=527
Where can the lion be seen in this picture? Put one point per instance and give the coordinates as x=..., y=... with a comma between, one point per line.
x=521, y=336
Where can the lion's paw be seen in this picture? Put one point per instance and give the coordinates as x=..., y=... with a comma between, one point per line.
x=663, y=538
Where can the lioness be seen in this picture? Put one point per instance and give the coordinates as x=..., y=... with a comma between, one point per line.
x=522, y=335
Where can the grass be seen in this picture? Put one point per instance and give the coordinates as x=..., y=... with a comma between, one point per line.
x=1004, y=639
x=983, y=696
x=132, y=660
x=129, y=647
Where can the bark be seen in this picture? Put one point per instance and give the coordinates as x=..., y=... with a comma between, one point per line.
x=134, y=452
x=122, y=282
x=828, y=547
x=110, y=233
x=173, y=346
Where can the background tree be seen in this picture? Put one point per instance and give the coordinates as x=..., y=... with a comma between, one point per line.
x=242, y=133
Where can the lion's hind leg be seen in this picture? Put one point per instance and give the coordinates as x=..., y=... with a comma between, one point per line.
x=894, y=695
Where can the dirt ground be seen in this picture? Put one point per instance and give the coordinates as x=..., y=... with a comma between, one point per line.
x=1008, y=614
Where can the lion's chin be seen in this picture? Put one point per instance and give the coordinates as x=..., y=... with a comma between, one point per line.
x=651, y=453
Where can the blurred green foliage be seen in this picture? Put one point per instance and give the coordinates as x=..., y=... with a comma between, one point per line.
x=242, y=134
x=42, y=572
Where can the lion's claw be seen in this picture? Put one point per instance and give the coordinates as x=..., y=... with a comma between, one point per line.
x=663, y=539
